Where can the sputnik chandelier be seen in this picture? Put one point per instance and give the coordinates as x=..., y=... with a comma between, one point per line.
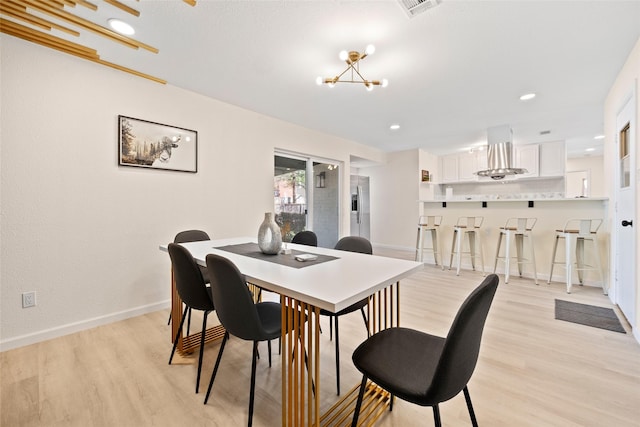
x=353, y=59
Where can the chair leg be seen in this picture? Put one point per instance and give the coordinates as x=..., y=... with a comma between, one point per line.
x=269, y=350
x=337, y=358
x=253, y=382
x=356, y=412
x=436, y=415
x=175, y=341
x=366, y=322
x=202, y=336
x=169, y=321
x=472, y=414
x=189, y=323
x=215, y=368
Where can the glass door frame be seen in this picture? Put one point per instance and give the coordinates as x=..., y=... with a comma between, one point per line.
x=311, y=183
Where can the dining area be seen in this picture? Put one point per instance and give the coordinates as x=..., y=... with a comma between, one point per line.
x=308, y=282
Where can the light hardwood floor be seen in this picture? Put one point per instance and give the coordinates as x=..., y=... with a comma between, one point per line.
x=533, y=370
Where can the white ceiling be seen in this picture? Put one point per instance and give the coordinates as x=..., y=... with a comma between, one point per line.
x=453, y=71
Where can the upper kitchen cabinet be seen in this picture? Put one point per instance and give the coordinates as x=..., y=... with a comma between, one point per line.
x=449, y=168
x=553, y=158
x=461, y=167
x=527, y=157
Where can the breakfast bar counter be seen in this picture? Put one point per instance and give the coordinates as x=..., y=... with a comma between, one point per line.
x=551, y=214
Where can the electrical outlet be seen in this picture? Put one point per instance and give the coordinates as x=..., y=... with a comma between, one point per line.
x=28, y=299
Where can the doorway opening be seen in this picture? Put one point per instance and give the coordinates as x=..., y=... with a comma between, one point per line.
x=307, y=197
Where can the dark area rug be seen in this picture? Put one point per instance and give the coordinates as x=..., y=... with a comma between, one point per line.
x=590, y=315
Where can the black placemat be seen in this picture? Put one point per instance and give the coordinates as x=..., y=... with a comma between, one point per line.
x=252, y=250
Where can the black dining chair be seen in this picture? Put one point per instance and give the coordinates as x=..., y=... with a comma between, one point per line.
x=426, y=369
x=350, y=244
x=186, y=237
x=306, y=237
x=194, y=294
x=240, y=316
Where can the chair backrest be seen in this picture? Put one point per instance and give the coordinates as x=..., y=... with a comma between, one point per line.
x=189, y=283
x=306, y=237
x=234, y=304
x=430, y=220
x=354, y=244
x=470, y=222
x=583, y=226
x=520, y=224
x=462, y=345
x=191, y=236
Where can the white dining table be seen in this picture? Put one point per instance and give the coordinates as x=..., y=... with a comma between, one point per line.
x=333, y=285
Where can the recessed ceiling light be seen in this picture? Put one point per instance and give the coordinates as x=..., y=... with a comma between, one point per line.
x=598, y=137
x=590, y=149
x=527, y=96
x=394, y=126
x=121, y=27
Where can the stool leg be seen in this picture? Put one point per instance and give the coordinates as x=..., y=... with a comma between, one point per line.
x=471, y=235
x=459, y=238
x=507, y=256
x=434, y=245
x=568, y=243
x=580, y=259
x=453, y=247
x=418, y=245
x=533, y=257
x=495, y=264
x=519, y=251
x=553, y=258
x=481, y=253
x=599, y=265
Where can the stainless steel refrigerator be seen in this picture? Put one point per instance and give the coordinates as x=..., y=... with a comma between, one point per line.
x=360, y=214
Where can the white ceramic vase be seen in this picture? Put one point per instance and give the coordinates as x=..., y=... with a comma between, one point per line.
x=269, y=237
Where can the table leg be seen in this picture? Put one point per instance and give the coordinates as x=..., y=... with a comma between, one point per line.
x=383, y=313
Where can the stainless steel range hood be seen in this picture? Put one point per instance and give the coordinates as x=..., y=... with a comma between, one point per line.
x=500, y=155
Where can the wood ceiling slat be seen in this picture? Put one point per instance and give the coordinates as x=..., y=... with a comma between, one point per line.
x=123, y=7
x=88, y=25
x=65, y=46
x=45, y=39
x=22, y=10
x=20, y=13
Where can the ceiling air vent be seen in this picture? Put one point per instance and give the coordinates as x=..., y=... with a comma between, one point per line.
x=416, y=7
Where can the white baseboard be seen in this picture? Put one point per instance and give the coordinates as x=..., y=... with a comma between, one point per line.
x=82, y=325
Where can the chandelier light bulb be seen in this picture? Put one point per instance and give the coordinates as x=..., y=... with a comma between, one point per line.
x=343, y=55
x=369, y=86
x=319, y=80
x=385, y=82
x=370, y=50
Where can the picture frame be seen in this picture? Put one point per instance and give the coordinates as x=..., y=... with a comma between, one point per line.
x=146, y=144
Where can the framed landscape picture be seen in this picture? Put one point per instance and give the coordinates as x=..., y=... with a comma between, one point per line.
x=156, y=146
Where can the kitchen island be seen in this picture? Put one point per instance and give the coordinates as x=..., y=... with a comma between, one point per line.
x=551, y=214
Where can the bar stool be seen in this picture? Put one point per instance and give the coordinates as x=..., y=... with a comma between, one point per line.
x=518, y=228
x=467, y=226
x=429, y=223
x=575, y=232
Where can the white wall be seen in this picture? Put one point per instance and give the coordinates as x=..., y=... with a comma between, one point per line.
x=394, y=199
x=83, y=232
x=595, y=166
x=626, y=81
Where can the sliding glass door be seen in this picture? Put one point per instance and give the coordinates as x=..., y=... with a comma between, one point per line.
x=306, y=197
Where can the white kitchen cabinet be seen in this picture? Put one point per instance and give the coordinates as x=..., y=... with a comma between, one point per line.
x=467, y=165
x=449, y=168
x=527, y=157
x=553, y=158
